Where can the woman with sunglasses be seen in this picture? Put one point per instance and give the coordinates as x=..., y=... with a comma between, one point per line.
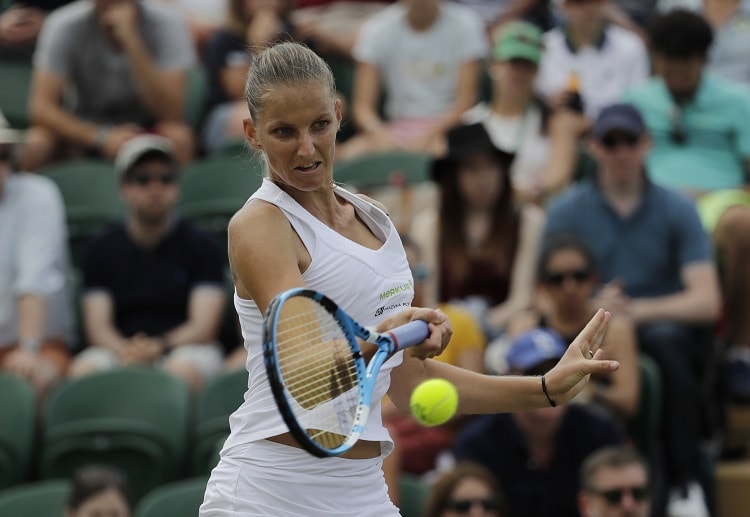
x=566, y=281
x=466, y=489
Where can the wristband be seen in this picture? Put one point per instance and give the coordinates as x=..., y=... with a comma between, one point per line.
x=544, y=389
x=101, y=136
x=31, y=344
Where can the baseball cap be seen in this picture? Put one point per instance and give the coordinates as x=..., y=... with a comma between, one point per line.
x=534, y=347
x=621, y=116
x=519, y=40
x=138, y=147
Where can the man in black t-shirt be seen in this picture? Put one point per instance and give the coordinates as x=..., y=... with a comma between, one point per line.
x=152, y=284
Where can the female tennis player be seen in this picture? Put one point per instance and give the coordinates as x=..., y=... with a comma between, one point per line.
x=300, y=229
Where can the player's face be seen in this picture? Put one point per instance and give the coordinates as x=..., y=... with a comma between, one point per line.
x=617, y=492
x=151, y=190
x=480, y=180
x=476, y=495
x=296, y=132
x=108, y=503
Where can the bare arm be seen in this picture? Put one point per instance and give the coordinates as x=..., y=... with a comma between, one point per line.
x=480, y=393
x=98, y=320
x=621, y=345
x=698, y=302
x=565, y=130
x=466, y=95
x=366, y=98
x=205, y=309
x=32, y=310
x=45, y=110
x=524, y=269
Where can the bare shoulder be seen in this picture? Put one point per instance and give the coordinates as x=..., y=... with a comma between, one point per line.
x=257, y=217
x=373, y=202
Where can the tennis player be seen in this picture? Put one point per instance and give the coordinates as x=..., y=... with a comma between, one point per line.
x=301, y=229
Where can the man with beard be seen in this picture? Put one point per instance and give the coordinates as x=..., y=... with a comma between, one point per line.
x=152, y=284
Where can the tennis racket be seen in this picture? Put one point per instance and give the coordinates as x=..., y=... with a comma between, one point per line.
x=317, y=372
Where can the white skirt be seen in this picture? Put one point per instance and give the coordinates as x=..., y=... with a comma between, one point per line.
x=265, y=478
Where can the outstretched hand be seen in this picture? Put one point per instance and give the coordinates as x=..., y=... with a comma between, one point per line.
x=581, y=359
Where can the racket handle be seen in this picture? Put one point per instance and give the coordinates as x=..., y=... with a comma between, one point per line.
x=410, y=334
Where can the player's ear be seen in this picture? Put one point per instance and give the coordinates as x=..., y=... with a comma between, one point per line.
x=251, y=133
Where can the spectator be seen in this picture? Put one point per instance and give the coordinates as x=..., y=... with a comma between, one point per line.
x=640, y=11
x=545, y=144
x=567, y=277
x=702, y=147
x=424, y=55
x=602, y=60
x=481, y=243
x=251, y=25
x=203, y=17
x=153, y=284
x=536, y=454
x=20, y=24
x=667, y=290
x=105, y=72
x=730, y=20
x=614, y=482
x=466, y=489
x=35, y=319
x=98, y=491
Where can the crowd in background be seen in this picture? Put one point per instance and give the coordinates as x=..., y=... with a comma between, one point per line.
x=582, y=154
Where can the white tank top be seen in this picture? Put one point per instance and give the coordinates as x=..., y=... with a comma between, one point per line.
x=370, y=285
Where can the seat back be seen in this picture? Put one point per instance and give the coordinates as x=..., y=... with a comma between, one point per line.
x=220, y=397
x=177, y=499
x=14, y=92
x=412, y=495
x=383, y=169
x=214, y=188
x=41, y=498
x=135, y=419
x=17, y=429
x=91, y=197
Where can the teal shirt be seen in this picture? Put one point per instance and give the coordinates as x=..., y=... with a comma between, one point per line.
x=717, y=128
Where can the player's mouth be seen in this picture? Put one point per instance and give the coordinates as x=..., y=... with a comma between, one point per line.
x=309, y=167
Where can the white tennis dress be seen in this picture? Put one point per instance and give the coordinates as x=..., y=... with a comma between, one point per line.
x=258, y=477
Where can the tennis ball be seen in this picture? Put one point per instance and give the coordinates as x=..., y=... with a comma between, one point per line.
x=434, y=402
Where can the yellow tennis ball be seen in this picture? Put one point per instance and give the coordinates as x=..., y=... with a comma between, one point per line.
x=434, y=402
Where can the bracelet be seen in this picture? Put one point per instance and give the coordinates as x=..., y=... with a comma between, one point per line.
x=544, y=389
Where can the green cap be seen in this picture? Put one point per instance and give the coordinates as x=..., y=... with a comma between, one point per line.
x=519, y=40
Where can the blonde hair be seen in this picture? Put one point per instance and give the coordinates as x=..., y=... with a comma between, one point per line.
x=284, y=64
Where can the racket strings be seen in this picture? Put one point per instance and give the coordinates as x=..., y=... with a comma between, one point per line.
x=319, y=370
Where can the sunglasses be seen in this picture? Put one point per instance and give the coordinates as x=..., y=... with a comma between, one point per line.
x=488, y=504
x=614, y=496
x=579, y=275
x=612, y=142
x=677, y=133
x=168, y=178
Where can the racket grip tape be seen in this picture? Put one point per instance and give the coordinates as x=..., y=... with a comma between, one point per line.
x=410, y=334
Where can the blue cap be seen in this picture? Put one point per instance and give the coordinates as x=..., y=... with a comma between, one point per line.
x=620, y=117
x=534, y=347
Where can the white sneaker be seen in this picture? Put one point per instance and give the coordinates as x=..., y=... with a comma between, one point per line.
x=690, y=502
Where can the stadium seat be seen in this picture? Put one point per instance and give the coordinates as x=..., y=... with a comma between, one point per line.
x=383, y=169
x=91, y=196
x=14, y=92
x=195, y=99
x=412, y=495
x=17, y=429
x=135, y=419
x=214, y=188
x=38, y=499
x=220, y=397
x=176, y=499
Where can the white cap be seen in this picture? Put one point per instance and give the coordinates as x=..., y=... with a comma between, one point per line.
x=8, y=135
x=135, y=148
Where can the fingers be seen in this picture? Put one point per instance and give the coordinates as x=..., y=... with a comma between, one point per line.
x=591, y=337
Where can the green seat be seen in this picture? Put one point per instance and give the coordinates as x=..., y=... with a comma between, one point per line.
x=135, y=419
x=38, y=499
x=17, y=429
x=383, y=169
x=219, y=398
x=412, y=495
x=176, y=499
x=195, y=97
x=214, y=188
x=15, y=84
x=91, y=196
